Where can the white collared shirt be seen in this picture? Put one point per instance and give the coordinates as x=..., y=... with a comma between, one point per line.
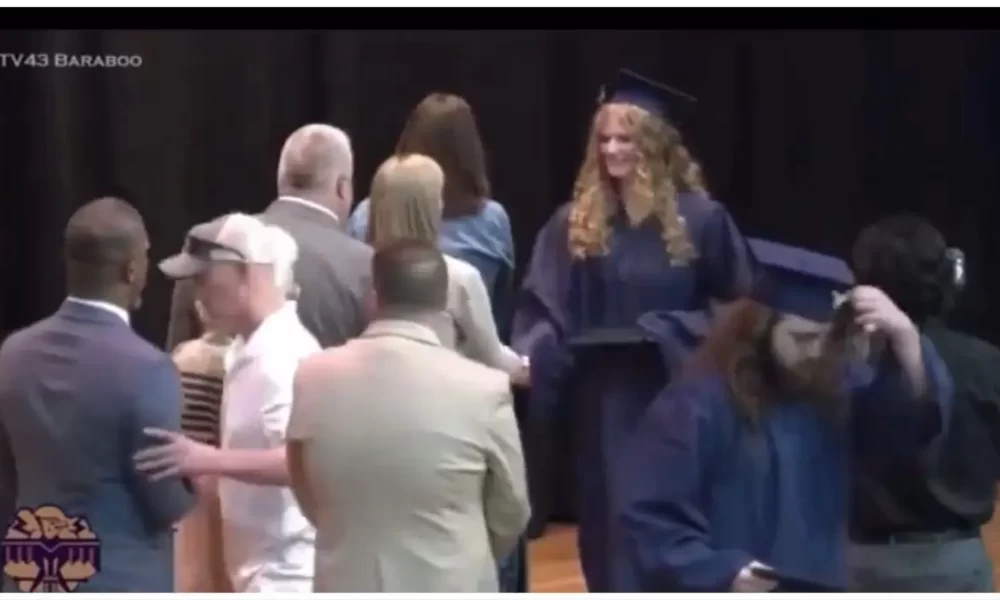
x=310, y=204
x=101, y=304
x=269, y=545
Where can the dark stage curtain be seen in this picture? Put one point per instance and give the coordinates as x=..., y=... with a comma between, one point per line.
x=806, y=135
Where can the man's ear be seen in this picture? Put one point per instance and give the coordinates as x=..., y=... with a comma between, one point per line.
x=130, y=272
x=345, y=193
x=342, y=188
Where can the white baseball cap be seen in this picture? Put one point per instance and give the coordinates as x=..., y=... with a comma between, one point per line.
x=235, y=237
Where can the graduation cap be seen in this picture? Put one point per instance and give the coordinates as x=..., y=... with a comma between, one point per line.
x=677, y=332
x=628, y=87
x=800, y=282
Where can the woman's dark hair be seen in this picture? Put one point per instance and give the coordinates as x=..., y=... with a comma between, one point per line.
x=444, y=128
x=907, y=258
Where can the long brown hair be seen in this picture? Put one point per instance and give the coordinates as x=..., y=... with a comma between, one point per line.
x=739, y=347
x=444, y=128
x=666, y=168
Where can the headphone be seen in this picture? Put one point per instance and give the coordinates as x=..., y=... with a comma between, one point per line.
x=957, y=259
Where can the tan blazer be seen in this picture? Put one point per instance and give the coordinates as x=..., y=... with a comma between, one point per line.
x=414, y=459
x=468, y=324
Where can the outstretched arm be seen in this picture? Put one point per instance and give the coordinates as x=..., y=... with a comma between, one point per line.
x=179, y=455
x=475, y=317
x=542, y=315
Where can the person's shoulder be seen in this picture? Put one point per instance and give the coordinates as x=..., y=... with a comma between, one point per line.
x=469, y=375
x=355, y=246
x=954, y=345
x=142, y=352
x=561, y=213
x=187, y=353
x=460, y=269
x=333, y=246
x=138, y=363
x=14, y=342
x=361, y=210
x=332, y=363
x=14, y=351
x=295, y=345
x=701, y=203
x=556, y=227
x=495, y=214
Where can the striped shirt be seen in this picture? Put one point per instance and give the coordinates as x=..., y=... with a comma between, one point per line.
x=199, y=565
x=201, y=366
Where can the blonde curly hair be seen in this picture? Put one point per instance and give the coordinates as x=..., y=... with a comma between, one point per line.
x=665, y=169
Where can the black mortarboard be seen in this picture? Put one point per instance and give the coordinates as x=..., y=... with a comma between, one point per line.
x=628, y=87
x=677, y=332
x=800, y=282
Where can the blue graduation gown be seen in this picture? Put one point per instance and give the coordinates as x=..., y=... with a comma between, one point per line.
x=563, y=299
x=701, y=495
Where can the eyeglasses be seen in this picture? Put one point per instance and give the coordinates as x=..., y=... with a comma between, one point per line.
x=211, y=250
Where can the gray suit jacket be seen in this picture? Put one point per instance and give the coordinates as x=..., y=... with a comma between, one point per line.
x=76, y=391
x=414, y=457
x=333, y=275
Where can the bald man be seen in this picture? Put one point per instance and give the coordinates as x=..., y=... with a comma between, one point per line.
x=76, y=391
x=315, y=193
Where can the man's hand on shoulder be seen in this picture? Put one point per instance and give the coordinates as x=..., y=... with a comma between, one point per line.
x=176, y=455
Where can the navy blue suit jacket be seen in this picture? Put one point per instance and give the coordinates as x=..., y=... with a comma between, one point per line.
x=76, y=391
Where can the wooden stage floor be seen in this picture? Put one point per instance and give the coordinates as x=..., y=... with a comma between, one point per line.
x=555, y=568
x=554, y=564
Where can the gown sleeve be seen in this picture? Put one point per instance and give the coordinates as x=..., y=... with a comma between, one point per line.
x=541, y=317
x=887, y=418
x=661, y=483
x=729, y=269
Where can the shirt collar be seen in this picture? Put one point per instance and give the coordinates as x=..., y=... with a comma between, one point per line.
x=310, y=204
x=101, y=304
x=402, y=328
x=267, y=335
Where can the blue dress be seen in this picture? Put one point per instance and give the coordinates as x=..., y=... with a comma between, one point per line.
x=700, y=494
x=564, y=299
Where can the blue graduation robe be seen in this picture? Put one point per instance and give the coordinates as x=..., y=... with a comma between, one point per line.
x=701, y=495
x=564, y=301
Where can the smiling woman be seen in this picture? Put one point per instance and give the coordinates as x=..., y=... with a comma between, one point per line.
x=640, y=235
